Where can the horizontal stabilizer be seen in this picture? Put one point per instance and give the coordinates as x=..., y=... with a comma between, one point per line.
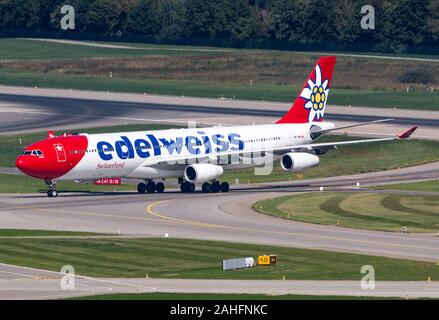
x=407, y=134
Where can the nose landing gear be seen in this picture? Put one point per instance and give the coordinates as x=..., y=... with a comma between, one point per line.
x=51, y=193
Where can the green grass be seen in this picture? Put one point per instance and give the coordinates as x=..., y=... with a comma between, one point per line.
x=360, y=210
x=388, y=99
x=423, y=186
x=211, y=296
x=267, y=92
x=27, y=49
x=41, y=233
x=171, y=70
x=195, y=259
x=151, y=86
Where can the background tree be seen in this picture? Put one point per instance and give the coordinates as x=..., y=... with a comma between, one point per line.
x=404, y=23
x=215, y=18
x=287, y=19
x=103, y=16
x=433, y=20
x=20, y=14
x=347, y=20
x=320, y=21
x=399, y=24
x=143, y=18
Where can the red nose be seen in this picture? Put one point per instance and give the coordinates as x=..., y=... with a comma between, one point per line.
x=30, y=165
x=22, y=164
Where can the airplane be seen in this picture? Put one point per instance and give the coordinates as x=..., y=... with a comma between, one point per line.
x=195, y=155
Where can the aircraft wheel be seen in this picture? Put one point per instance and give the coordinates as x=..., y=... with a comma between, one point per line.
x=225, y=187
x=205, y=187
x=141, y=188
x=159, y=187
x=187, y=187
x=215, y=187
x=52, y=193
x=184, y=187
x=150, y=187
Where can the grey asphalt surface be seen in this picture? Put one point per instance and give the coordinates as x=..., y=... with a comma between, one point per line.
x=224, y=217
x=26, y=109
x=60, y=111
x=27, y=283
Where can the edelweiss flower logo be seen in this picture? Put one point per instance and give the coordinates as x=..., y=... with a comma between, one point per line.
x=316, y=95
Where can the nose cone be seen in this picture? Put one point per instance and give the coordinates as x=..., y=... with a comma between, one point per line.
x=30, y=165
x=22, y=164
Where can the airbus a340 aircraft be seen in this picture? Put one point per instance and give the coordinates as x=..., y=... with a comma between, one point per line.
x=195, y=155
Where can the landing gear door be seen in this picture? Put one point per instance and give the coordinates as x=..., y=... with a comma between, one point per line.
x=60, y=152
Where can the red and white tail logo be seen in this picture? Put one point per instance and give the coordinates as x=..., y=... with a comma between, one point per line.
x=310, y=104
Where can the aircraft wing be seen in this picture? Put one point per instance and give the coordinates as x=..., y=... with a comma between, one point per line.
x=318, y=148
x=350, y=126
x=322, y=148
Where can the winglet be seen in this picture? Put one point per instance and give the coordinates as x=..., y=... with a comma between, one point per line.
x=407, y=133
x=50, y=134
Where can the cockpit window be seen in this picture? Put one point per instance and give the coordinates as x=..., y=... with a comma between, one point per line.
x=37, y=153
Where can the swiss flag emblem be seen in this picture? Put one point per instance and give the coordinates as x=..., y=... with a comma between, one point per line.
x=60, y=153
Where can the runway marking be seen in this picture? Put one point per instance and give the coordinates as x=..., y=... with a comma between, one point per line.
x=53, y=274
x=180, y=221
x=150, y=210
x=86, y=213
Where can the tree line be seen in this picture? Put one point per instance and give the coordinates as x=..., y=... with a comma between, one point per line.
x=398, y=25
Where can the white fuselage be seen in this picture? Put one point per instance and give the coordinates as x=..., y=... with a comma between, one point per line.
x=159, y=154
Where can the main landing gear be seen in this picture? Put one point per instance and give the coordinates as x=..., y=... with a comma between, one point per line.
x=150, y=187
x=187, y=187
x=52, y=193
x=214, y=187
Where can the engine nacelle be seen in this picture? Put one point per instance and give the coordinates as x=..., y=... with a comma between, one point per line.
x=294, y=162
x=201, y=172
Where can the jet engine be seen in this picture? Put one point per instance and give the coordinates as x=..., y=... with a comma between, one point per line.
x=201, y=172
x=299, y=161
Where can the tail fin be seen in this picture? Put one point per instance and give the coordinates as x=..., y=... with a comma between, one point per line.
x=310, y=104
